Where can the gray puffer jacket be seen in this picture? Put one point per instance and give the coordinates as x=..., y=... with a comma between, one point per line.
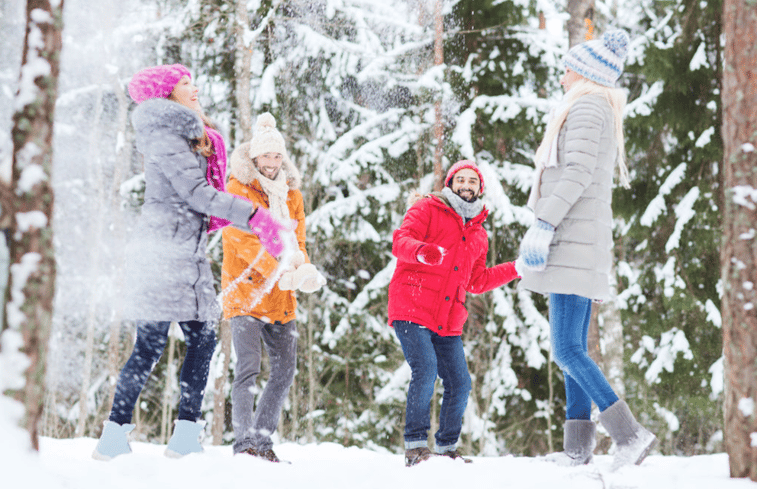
x=576, y=197
x=168, y=276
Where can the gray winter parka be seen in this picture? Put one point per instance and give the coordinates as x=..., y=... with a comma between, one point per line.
x=168, y=276
x=576, y=198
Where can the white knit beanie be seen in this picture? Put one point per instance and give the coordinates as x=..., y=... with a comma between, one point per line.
x=600, y=60
x=266, y=138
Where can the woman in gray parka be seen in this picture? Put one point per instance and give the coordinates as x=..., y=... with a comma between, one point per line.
x=168, y=276
x=567, y=252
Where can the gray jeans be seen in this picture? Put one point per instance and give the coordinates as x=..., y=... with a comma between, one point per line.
x=253, y=427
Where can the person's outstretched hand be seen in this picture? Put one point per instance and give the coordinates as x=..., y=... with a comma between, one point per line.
x=534, y=249
x=269, y=230
x=430, y=254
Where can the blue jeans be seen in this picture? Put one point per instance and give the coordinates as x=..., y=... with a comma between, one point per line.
x=569, y=317
x=200, y=338
x=429, y=354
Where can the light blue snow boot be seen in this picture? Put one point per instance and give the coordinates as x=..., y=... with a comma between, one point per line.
x=185, y=439
x=114, y=441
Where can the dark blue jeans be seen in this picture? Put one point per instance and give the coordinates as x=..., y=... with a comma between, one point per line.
x=569, y=317
x=200, y=338
x=429, y=354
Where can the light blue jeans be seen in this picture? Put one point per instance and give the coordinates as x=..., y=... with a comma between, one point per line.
x=569, y=317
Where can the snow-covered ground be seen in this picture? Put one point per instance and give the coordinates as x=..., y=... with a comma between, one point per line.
x=68, y=464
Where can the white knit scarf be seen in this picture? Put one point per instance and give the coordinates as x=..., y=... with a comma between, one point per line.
x=277, y=191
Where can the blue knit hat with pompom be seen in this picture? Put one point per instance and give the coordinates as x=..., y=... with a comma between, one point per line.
x=600, y=60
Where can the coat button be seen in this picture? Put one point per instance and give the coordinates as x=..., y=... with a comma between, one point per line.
x=463, y=238
x=446, y=298
x=455, y=268
x=440, y=327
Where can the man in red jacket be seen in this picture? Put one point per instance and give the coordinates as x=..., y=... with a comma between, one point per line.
x=441, y=251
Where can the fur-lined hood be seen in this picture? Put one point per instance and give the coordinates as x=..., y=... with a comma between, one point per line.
x=243, y=169
x=415, y=196
x=162, y=114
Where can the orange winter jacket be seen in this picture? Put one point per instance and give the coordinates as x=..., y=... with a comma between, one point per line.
x=240, y=249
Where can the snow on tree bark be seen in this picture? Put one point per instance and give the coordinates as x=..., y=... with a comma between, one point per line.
x=739, y=249
x=27, y=202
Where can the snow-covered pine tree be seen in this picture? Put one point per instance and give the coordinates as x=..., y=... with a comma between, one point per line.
x=669, y=222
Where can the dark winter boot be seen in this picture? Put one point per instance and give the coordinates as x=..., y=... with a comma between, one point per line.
x=632, y=442
x=455, y=455
x=268, y=454
x=579, y=440
x=414, y=456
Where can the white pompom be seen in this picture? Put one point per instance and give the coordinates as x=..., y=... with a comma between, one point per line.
x=265, y=121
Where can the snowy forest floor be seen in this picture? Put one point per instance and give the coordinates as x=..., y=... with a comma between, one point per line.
x=67, y=463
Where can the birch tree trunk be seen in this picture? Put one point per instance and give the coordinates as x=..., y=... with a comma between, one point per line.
x=579, y=11
x=219, y=400
x=738, y=256
x=439, y=124
x=123, y=156
x=94, y=262
x=27, y=204
x=242, y=65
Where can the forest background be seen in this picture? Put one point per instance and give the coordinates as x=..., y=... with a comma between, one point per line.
x=359, y=95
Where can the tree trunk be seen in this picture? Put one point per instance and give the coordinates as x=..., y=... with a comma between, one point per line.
x=123, y=156
x=439, y=124
x=166, y=411
x=311, y=371
x=219, y=401
x=738, y=256
x=242, y=65
x=579, y=11
x=94, y=262
x=27, y=204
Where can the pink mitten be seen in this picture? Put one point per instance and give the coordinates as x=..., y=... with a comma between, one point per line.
x=430, y=254
x=268, y=229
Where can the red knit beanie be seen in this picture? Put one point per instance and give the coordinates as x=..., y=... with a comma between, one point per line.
x=460, y=165
x=156, y=81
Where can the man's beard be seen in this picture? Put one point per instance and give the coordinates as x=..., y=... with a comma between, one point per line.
x=469, y=195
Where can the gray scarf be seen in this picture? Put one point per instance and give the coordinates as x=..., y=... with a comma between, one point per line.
x=466, y=210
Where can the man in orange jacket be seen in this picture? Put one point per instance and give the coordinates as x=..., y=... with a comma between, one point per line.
x=262, y=173
x=441, y=250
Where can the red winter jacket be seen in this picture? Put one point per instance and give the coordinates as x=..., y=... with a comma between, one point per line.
x=434, y=296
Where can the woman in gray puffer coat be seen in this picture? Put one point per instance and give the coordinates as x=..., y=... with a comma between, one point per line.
x=567, y=252
x=168, y=276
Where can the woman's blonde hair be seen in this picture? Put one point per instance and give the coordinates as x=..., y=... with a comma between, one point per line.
x=617, y=100
x=204, y=145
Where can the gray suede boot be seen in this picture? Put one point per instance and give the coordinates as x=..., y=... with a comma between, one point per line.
x=632, y=441
x=579, y=440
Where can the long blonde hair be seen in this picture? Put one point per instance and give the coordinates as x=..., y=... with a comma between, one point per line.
x=617, y=100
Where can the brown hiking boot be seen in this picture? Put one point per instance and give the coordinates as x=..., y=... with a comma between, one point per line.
x=454, y=454
x=264, y=454
x=415, y=456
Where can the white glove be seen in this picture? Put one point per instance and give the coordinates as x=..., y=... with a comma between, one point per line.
x=286, y=280
x=305, y=278
x=309, y=279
